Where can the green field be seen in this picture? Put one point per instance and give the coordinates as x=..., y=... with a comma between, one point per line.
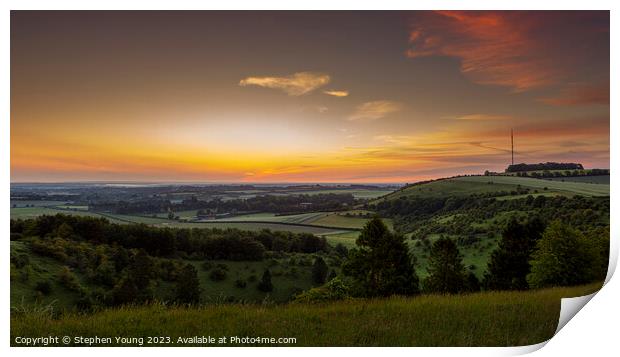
x=481, y=319
x=357, y=193
x=272, y=224
x=41, y=203
x=32, y=212
x=601, y=179
x=463, y=186
x=579, y=188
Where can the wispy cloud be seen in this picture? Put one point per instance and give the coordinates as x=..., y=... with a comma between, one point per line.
x=296, y=84
x=481, y=117
x=517, y=49
x=580, y=94
x=375, y=110
x=337, y=93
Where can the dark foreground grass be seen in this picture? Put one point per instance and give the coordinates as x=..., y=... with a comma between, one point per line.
x=482, y=319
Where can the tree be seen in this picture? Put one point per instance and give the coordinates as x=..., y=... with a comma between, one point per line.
x=319, y=271
x=265, y=284
x=188, y=286
x=341, y=250
x=509, y=263
x=563, y=257
x=381, y=265
x=135, y=286
x=332, y=275
x=447, y=272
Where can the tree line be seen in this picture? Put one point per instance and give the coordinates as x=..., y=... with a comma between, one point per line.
x=194, y=243
x=262, y=203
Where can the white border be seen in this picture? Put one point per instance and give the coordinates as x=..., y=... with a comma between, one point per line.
x=591, y=330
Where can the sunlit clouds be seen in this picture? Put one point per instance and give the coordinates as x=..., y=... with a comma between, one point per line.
x=375, y=110
x=337, y=93
x=374, y=96
x=296, y=84
x=516, y=49
x=477, y=117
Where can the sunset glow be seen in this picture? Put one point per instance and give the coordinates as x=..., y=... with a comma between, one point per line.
x=304, y=97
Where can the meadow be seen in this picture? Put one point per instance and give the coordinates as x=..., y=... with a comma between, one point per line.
x=484, y=319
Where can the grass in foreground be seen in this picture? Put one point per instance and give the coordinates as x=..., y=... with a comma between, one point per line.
x=482, y=319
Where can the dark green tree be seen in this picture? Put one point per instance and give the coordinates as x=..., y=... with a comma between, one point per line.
x=509, y=263
x=188, y=286
x=473, y=284
x=319, y=271
x=447, y=274
x=381, y=264
x=564, y=257
x=135, y=285
x=265, y=284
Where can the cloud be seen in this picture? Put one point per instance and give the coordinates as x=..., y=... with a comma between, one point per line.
x=337, y=93
x=375, y=110
x=296, y=84
x=518, y=49
x=481, y=117
x=580, y=95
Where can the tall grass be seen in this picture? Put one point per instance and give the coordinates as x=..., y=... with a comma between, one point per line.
x=482, y=319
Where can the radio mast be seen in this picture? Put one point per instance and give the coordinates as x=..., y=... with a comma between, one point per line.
x=512, y=147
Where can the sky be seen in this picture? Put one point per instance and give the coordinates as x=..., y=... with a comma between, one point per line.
x=276, y=96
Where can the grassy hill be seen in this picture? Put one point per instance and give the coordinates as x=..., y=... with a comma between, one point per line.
x=291, y=273
x=484, y=319
x=464, y=186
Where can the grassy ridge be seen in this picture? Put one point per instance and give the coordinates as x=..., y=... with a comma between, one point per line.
x=482, y=319
x=463, y=186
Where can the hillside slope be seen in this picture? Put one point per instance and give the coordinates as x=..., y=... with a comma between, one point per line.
x=498, y=185
x=482, y=319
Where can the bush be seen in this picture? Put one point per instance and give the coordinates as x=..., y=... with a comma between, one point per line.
x=68, y=279
x=240, y=283
x=265, y=284
x=44, y=287
x=206, y=265
x=222, y=266
x=20, y=260
x=217, y=274
x=335, y=289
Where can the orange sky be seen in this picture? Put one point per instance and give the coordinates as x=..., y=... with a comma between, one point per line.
x=303, y=97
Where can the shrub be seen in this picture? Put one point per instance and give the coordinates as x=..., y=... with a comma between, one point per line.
x=68, y=279
x=206, y=265
x=20, y=260
x=222, y=266
x=265, y=284
x=217, y=274
x=44, y=287
x=335, y=289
